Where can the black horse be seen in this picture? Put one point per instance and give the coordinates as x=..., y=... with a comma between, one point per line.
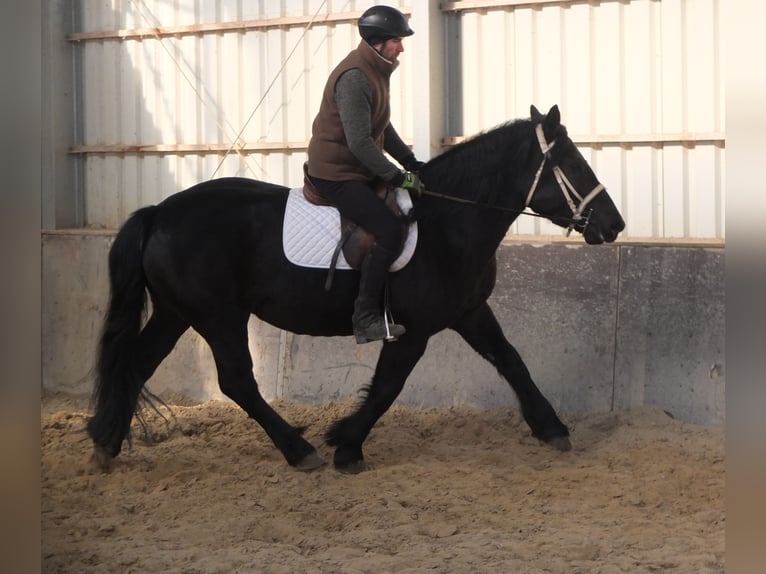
x=212, y=255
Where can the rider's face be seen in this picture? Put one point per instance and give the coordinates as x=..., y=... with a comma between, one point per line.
x=390, y=49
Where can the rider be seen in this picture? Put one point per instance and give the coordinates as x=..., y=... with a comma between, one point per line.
x=345, y=155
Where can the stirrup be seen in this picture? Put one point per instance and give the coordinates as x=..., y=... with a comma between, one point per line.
x=388, y=318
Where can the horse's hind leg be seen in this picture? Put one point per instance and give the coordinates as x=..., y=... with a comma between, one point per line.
x=227, y=338
x=481, y=330
x=396, y=361
x=123, y=370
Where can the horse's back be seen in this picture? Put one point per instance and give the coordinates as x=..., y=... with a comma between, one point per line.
x=224, y=191
x=220, y=207
x=237, y=184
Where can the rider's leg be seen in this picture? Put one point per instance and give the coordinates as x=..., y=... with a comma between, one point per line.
x=369, y=324
x=356, y=201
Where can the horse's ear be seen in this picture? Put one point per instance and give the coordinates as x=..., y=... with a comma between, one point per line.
x=535, y=113
x=553, y=119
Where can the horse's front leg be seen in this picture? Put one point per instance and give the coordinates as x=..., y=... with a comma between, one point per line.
x=395, y=363
x=481, y=330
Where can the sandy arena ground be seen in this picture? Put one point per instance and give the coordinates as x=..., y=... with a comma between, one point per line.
x=449, y=491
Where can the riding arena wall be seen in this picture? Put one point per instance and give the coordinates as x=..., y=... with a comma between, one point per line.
x=600, y=327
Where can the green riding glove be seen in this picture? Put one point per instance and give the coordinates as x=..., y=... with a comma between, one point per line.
x=412, y=183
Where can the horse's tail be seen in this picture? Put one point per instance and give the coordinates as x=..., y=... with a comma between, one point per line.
x=118, y=382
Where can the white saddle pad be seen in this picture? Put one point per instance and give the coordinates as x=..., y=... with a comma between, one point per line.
x=311, y=232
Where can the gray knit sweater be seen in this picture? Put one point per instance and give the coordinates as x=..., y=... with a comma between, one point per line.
x=352, y=96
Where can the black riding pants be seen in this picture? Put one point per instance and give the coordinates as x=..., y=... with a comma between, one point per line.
x=357, y=201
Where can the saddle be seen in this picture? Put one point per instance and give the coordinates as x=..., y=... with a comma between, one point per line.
x=355, y=241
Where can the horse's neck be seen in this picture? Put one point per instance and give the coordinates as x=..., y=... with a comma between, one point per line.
x=486, y=172
x=472, y=234
x=472, y=169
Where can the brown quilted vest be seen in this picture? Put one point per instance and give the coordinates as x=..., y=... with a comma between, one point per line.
x=328, y=154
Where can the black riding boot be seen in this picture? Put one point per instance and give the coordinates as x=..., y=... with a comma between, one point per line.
x=369, y=324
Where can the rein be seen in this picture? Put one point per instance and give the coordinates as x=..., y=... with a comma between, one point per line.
x=479, y=204
x=576, y=221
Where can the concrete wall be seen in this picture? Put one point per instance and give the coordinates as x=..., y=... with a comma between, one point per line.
x=600, y=328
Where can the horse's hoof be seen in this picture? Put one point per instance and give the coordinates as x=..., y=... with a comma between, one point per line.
x=561, y=443
x=310, y=462
x=352, y=468
x=102, y=458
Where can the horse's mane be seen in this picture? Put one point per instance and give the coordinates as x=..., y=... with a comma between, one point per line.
x=486, y=163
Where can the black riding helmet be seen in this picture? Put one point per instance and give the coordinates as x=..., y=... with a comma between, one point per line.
x=381, y=23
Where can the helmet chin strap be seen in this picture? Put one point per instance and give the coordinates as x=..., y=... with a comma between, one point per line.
x=566, y=186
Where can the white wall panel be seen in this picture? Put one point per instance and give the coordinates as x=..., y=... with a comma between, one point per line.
x=640, y=175
x=523, y=66
x=576, y=98
x=674, y=191
x=606, y=98
x=641, y=101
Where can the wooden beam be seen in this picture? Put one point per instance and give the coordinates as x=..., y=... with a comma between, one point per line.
x=179, y=149
x=595, y=140
x=215, y=27
x=472, y=5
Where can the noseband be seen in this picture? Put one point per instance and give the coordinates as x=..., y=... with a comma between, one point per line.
x=566, y=186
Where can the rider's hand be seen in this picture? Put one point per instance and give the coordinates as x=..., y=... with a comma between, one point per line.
x=412, y=164
x=410, y=181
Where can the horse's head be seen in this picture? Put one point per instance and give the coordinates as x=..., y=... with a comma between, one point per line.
x=564, y=188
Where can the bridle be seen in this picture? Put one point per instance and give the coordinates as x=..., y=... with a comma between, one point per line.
x=577, y=221
x=566, y=186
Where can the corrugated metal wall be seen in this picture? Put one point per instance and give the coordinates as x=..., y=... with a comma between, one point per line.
x=640, y=87
x=165, y=109
x=174, y=93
